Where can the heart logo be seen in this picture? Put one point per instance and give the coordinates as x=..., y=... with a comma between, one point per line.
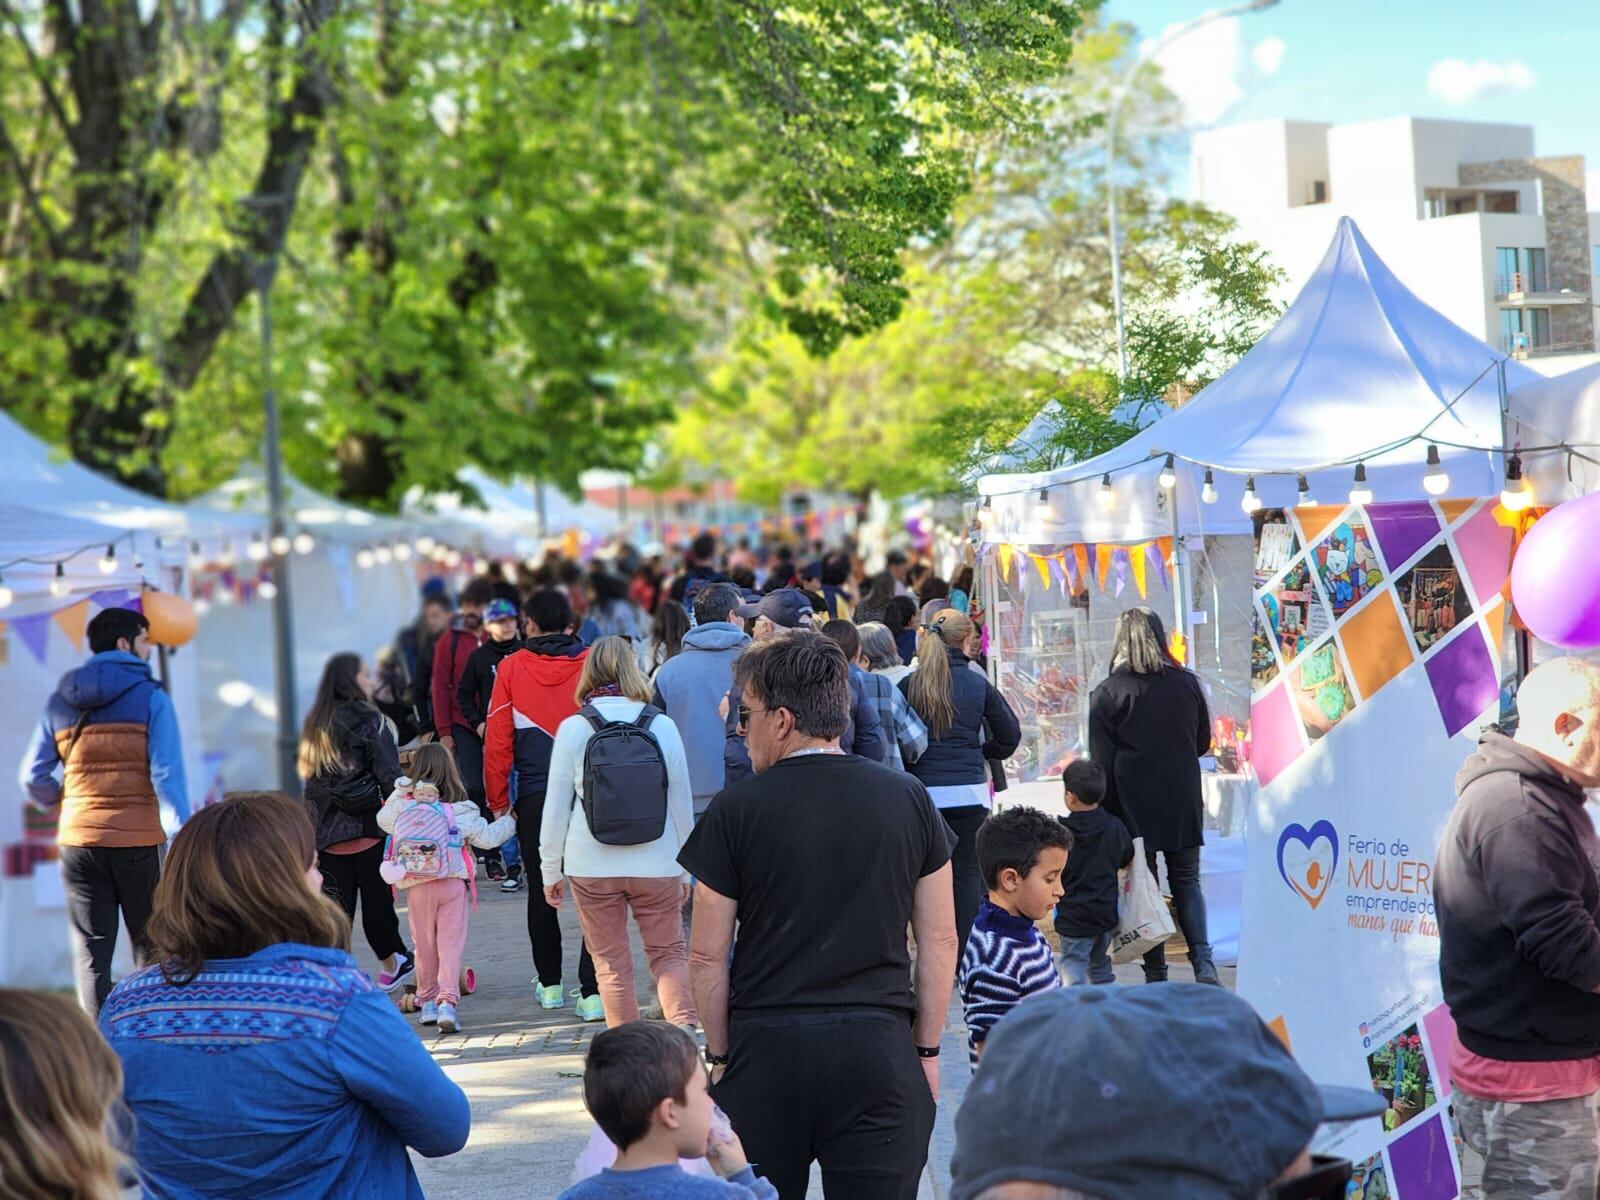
x=1307, y=859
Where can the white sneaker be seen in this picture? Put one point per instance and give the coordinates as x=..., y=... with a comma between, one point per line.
x=430, y=1012
x=448, y=1021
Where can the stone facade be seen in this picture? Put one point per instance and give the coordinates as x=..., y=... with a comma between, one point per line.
x=1566, y=234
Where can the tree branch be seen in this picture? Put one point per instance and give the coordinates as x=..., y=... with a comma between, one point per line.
x=51, y=97
x=25, y=181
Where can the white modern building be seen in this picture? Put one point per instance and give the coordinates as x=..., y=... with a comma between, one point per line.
x=1498, y=239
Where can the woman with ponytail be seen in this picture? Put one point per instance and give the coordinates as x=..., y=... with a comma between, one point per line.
x=969, y=722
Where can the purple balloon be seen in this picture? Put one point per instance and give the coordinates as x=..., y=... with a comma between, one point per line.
x=1555, y=580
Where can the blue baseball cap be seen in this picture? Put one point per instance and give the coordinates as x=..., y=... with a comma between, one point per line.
x=1141, y=1093
x=788, y=607
x=500, y=610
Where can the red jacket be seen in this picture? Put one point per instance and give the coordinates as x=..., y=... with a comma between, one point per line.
x=535, y=690
x=450, y=655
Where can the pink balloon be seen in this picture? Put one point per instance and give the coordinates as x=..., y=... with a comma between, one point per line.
x=1555, y=580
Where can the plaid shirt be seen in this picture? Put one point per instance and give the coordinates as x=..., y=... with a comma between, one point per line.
x=910, y=735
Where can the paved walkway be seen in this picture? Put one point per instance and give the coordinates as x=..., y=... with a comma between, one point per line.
x=522, y=1068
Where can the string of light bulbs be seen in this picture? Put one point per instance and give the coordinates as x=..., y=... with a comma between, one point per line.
x=1516, y=495
x=59, y=584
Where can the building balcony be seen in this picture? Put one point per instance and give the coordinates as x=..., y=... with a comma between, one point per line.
x=1521, y=345
x=1522, y=289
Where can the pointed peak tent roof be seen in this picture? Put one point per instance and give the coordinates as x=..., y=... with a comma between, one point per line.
x=1358, y=367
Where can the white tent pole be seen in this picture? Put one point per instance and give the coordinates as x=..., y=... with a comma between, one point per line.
x=1181, y=584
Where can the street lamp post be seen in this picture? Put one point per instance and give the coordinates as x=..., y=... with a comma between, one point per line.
x=282, y=620
x=1160, y=44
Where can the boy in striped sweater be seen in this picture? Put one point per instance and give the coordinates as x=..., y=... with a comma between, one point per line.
x=1022, y=853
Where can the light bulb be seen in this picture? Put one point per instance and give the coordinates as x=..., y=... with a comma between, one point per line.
x=196, y=558
x=59, y=586
x=425, y=545
x=383, y=554
x=1041, y=506
x=225, y=595
x=402, y=552
x=266, y=589
x=1251, y=502
x=108, y=561
x=227, y=558
x=1360, y=493
x=1208, y=489
x=1108, y=494
x=1306, y=500
x=257, y=550
x=280, y=544
x=6, y=595
x=452, y=559
x=1168, y=479
x=1435, y=482
x=201, y=606
x=304, y=543
x=1515, y=496
x=364, y=557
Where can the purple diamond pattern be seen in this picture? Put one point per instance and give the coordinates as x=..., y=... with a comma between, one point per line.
x=1464, y=680
x=1402, y=529
x=1420, y=1163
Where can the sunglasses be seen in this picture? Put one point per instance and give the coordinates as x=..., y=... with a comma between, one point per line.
x=745, y=712
x=1328, y=1179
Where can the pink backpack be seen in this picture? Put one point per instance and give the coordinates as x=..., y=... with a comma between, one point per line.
x=426, y=843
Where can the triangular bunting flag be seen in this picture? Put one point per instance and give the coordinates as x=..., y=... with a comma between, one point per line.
x=1139, y=560
x=1080, y=555
x=1043, y=565
x=34, y=632
x=73, y=619
x=1063, y=566
x=1119, y=569
x=1006, y=552
x=1164, y=547
x=1102, y=563
x=110, y=598
x=1152, y=552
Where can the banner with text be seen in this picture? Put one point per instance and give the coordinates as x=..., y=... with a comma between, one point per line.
x=1374, y=663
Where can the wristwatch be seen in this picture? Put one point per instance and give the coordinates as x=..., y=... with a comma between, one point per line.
x=927, y=1052
x=716, y=1060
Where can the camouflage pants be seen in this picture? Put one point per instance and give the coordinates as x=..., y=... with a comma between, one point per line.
x=1549, y=1150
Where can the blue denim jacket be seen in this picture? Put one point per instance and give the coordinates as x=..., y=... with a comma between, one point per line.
x=287, y=1073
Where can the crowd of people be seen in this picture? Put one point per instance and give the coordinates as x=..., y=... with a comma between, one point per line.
x=783, y=774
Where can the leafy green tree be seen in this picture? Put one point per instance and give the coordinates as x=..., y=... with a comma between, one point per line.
x=502, y=232
x=1008, y=332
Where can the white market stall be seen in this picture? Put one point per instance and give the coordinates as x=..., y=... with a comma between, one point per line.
x=1328, y=517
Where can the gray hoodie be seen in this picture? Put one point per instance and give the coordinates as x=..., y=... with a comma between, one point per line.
x=690, y=688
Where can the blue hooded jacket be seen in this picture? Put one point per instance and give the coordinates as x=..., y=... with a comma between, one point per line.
x=111, y=687
x=689, y=687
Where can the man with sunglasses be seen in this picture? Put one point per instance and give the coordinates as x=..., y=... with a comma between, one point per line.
x=1156, y=1093
x=823, y=1050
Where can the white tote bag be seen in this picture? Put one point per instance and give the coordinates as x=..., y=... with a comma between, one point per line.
x=1143, y=922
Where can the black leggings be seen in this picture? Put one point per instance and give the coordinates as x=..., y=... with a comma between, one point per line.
x=346, y=875
x=544, y=926
x=968, y=880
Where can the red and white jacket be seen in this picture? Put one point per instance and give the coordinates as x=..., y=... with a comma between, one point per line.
x=535, y=690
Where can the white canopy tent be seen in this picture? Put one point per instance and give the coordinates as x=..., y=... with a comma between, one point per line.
x=1358, y=370
x=508, y=519
x=1562, y=409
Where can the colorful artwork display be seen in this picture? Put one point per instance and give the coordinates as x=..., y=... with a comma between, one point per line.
x=1347, y=565
x=1432, y=595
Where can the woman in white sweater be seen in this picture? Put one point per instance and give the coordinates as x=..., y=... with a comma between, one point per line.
x=608, y=880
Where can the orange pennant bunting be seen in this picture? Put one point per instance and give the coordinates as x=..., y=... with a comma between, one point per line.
x=1080, y=555
x=1102, y=563
x=72, y=621
x=1165, y=546
x=1139, y=560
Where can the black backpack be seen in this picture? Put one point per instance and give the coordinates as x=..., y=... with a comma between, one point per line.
x=624, y=779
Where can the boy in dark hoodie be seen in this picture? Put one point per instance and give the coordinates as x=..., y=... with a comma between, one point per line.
x=472, y=697
x=535, y=689
x=1086, y=915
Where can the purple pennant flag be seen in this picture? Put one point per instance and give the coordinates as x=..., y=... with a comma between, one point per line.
x=34, y=632
x=1158, y=564
x=111, y=598
x=1120, y=565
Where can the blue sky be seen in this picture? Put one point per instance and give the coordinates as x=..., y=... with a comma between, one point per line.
x=1535, y=62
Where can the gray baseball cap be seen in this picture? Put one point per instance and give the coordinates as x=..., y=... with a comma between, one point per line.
x=788, y=607
x=1140, y=1093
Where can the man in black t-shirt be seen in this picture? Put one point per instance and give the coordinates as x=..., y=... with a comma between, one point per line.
x=821, y=1046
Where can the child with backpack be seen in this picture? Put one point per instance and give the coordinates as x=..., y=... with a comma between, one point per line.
x=617, y=809
x=432, y=824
